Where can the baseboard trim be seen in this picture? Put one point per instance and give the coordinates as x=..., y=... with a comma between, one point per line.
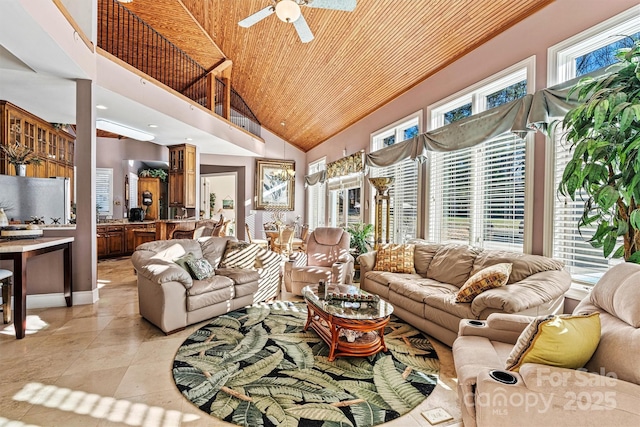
x=57, y=299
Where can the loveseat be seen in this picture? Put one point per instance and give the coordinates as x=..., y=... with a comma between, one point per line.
x=425, y=294
x=170, y=298
x=605, y=392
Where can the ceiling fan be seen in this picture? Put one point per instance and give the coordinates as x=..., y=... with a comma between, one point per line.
x=289, y=11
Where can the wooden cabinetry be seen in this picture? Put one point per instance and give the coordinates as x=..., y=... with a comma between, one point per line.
x=53, y=146
x=120, y=239
x=151, y=185
x=182, y=176
x=110, y=240
x=130, y=234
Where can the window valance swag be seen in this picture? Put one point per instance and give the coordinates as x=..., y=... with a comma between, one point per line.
x=527, y=114
x=345, y=166
x=316, y=178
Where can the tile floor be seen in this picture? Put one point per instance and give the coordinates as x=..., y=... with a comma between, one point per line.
x=103, y=365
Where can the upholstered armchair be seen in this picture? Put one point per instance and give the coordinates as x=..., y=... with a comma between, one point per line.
x=605, y=392
x=327, y=258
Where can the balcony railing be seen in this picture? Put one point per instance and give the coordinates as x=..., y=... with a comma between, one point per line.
x=126, y=36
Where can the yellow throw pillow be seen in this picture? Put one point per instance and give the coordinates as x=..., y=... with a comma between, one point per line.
x=395, y=258
x=565, y=341
x=488, y=278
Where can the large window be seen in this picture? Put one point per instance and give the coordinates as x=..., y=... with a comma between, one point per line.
x=344, y=200
x=316, y=197
x=404, y=191
x=581, y=54
x=104, y=191
x=477, y=195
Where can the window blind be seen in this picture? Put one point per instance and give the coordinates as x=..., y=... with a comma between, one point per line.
x=403, y=201
x=477, y=195
x=585, y=263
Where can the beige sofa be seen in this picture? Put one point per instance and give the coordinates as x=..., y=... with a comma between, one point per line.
x=426, y=298
x=605, y=393
x=170, y=299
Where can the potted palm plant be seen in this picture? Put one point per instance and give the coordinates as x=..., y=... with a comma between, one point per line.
x=604, y=135
x=360, y=242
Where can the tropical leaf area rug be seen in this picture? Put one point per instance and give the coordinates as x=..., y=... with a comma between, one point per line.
x=258, y=367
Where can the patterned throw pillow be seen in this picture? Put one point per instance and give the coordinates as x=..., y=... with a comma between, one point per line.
x=566, y=341
x=239, y=255
x=182, y=261
x=200, y=268
x=491, y=277
x=395, y=258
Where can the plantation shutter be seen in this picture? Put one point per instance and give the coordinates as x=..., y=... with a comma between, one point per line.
x=133, y=190
x=104, y=191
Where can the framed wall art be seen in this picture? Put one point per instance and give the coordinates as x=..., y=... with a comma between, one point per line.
x=275, y=184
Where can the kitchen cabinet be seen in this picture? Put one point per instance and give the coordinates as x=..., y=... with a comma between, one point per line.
x=182, y=176
x=151, y=185
x=130, y=234
x=54, y=146
x=110, y=240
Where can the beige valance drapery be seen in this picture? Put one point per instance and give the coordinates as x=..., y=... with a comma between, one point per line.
x=527, y=114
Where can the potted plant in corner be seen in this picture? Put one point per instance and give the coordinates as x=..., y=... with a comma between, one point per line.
x=360, y=241
x=20, y=156
x=604, y=136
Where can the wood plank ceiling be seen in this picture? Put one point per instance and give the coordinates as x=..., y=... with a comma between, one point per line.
x=358, y=61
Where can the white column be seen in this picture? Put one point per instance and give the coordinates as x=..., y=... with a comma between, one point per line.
x=85, y=251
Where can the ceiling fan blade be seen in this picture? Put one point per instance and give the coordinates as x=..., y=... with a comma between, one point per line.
x=256, y=17
x=304, y=32
x=346, y=5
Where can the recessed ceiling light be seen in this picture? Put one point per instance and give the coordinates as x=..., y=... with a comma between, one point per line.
x=153, y=126
x=102, y=107
x=188, y=139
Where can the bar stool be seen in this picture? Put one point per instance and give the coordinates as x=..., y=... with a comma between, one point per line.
x=5, y=282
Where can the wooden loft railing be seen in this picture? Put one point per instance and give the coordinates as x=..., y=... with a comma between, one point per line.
x=129, y=38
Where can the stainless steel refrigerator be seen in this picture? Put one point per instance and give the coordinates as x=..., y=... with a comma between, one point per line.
x=24, y=198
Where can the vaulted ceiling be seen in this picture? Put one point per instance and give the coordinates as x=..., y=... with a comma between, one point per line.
x=357, y=62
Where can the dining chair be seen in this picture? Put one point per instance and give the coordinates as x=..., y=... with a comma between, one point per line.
x=283, y=243
x=261, y=242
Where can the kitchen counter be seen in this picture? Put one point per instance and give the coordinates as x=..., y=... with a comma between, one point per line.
x=20, y=251
x=123, y=222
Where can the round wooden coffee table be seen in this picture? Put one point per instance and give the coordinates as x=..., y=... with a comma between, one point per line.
x=335, y=321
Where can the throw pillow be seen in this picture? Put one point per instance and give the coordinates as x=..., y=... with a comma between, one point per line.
x=395, y=258
x=182, y=261
x=491, y=277
x=200, y=268
x=239, y=255
x=565, y=341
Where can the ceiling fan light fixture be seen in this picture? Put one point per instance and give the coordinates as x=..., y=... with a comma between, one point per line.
x=288, y=10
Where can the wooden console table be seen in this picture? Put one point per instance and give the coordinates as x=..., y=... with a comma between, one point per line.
x=20, y=251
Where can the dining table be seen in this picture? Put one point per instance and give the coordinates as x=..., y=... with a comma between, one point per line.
x=19, y=251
